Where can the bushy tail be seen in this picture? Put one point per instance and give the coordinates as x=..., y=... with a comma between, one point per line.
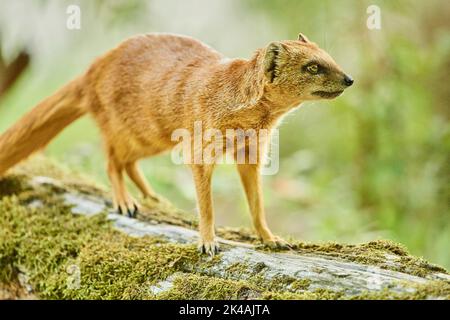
x=41, y=124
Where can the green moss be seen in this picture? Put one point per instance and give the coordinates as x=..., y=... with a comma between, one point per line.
x=301, y=284
x=430, y=290
x=382, y=253
x=12, y=184
x=162, y=211
x=255, y=277
x=320, y=294
x=281, y=283
x=159, y=210
x=32, y=240
x=38, y=165
x=238, y=269
x=43, y=242
x=204, y=287
x=433, y=289
x=47, y=243
x=119, y=267
x=238, y=234
x=193, y=286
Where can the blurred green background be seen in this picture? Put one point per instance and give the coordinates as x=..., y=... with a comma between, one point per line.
x=371, y=164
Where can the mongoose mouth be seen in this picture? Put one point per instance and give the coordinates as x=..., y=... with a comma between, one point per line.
x=327, y=95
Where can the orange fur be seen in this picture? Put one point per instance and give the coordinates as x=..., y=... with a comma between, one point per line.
x=150, y=85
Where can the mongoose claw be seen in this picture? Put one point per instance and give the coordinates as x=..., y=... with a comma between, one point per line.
x=212, y=248
x=131, y=212
x=277, y=243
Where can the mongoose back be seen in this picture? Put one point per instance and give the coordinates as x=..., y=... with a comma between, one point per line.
x=150, y=85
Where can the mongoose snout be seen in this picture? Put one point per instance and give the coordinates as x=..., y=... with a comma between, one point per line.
x=348, y=80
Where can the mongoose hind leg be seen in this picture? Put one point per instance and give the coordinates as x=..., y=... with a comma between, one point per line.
x=202, y=177
x=136, y=175
x=122, y=200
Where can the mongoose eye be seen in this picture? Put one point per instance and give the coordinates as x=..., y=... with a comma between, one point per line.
x=313, y=69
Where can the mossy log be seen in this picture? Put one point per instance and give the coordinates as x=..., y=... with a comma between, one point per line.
x=54, y=222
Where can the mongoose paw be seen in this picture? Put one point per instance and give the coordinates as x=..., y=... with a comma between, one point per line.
x=276, y=242
x=152, y=198
x=209, y=247
x=131, y=209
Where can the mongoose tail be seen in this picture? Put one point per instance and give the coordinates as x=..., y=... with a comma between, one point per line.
x=36, y=128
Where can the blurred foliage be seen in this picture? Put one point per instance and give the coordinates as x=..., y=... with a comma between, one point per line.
x=371, y=164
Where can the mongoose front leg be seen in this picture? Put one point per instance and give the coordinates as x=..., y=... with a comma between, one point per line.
x=202, y=177
x=251, y=180
x=123, y=202
x=136, y=175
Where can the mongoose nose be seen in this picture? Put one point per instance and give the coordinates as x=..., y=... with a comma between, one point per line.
x=348, y=80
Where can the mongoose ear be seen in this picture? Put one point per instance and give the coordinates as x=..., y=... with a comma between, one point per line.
x=303, y=38
x=271, y=59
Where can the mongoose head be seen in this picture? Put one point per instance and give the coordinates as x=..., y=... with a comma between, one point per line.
x=299, y=70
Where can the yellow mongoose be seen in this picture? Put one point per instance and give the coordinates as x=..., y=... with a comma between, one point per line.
x=150, y=85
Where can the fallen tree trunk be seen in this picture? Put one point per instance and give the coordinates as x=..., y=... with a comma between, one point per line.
x=163, y=239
